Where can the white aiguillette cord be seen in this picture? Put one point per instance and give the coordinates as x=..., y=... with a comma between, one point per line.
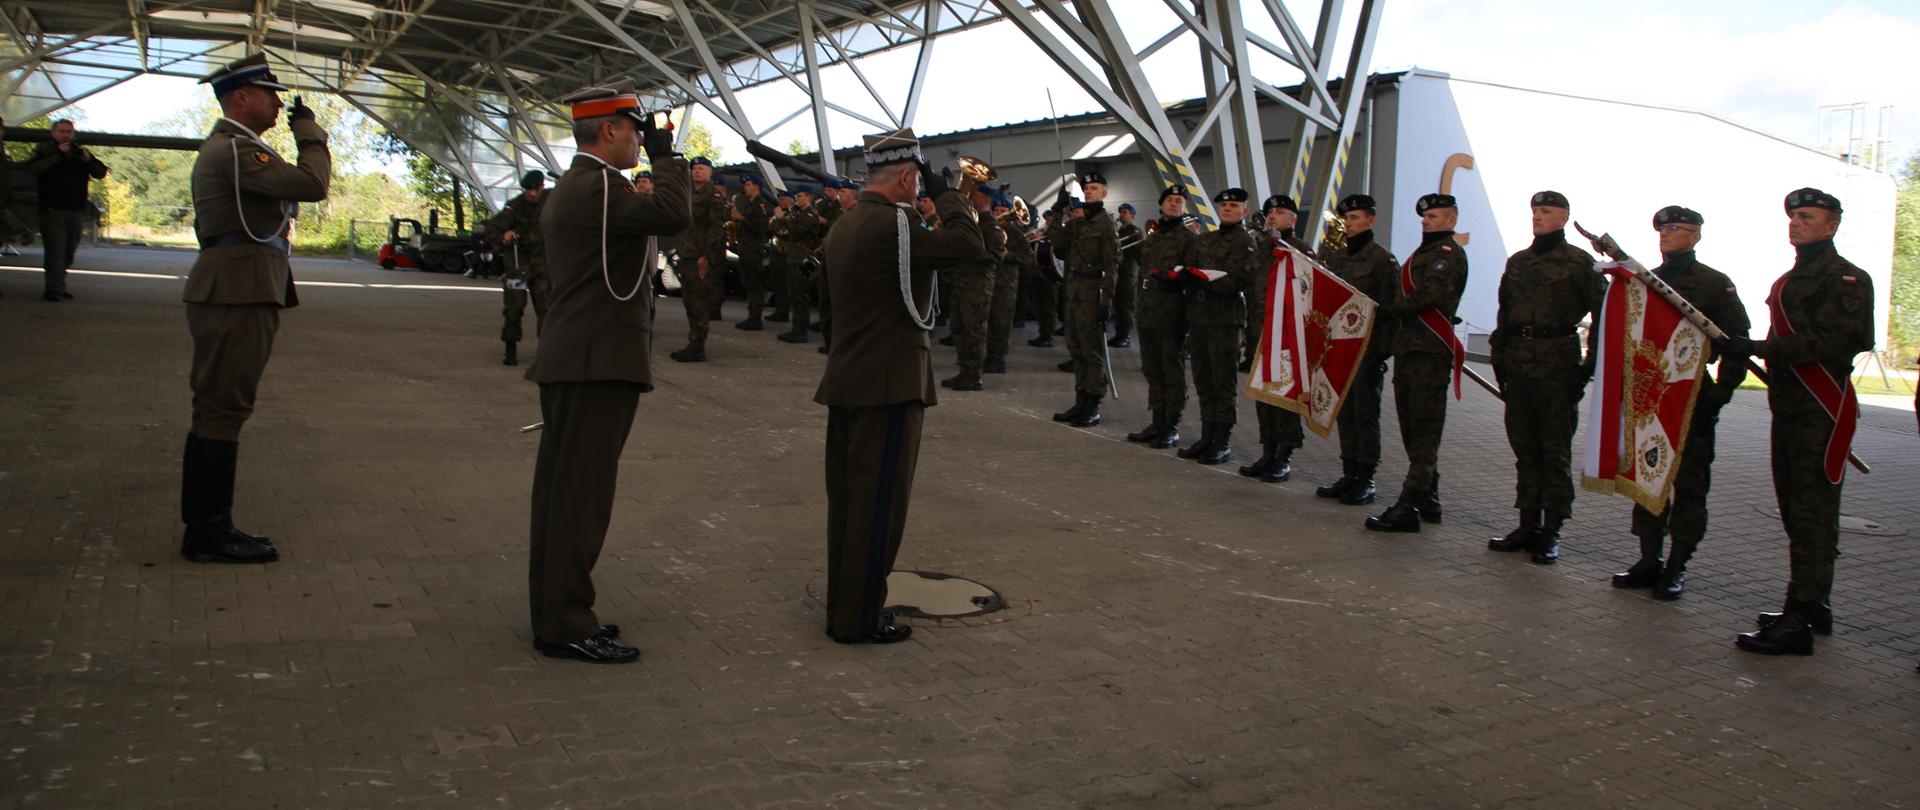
x=653, y=243
x=239, y=209
x=906, y=274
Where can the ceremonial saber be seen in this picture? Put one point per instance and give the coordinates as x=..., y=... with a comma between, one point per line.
x=533, y=427
x=1482, y=381
x=1605, y=244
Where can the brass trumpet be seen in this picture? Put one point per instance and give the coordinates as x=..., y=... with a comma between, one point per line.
x=1335, y=233
x=973, y=172
x=1020, y=213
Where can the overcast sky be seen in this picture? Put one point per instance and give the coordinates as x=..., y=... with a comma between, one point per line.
x=1763, y=63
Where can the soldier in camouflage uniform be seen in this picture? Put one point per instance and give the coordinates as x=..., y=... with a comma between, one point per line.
x=1042, y=285
x=753, y=213
x=1711, y=292
x=1092, y=252
x=973, y=286
x=829, y=208
x=1126, y=288
x=1426, y=352
x=1280, y=432
x=801, y=228
x=518, y=225
x=700, y=259
x=777, y=270
x=1546, y=290
x=1163, y=322
x=1822, y=315
x=1365, y=264
x=1006, y=283
x=1216, y=313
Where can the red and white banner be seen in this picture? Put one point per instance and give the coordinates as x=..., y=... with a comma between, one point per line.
x=1311, y=345
x=1646, y=379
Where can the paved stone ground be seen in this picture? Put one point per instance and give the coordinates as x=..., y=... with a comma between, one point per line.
x=1178, y=637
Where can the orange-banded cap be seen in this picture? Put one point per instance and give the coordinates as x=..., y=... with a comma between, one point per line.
x=597, y=101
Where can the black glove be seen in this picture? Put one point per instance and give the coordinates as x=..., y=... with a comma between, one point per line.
x=1499, y=378
x=1380, y=368
x=658, y=142
x=1735, y=349
x=930, y=181
x=1577, y=387
x=1062, y=200
x=1103, y=313
x=299, y=111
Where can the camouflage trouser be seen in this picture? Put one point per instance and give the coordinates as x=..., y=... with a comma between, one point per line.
x=1686, y=514
x=1006, y=293
x=1126, y=293
x=949, y=299
x=753, y=275
x=1422, y=384
x=1216, y=377
x=1279, y=425
x=777, y=274
x=514, y=305
x=1359, y=418
x=696, y=295
x=1040, y=301
x=973, y=286
x=1809, y=506
x=1086, y=336
x=799, y=288
x=1163, y=361
x=1541, y=415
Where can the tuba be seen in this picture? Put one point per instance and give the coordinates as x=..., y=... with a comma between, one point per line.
x=973, y=172
x=1334, y=236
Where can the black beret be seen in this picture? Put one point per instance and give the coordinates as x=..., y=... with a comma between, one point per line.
x=1238, y=195
x=1093, y=177
x=1674, y=214
x=1551, y=199
x=533, y=179
x=1173, y=191
x=1279, y=201
x=1431, y=201
x=1813, y=198
x=1356, y=202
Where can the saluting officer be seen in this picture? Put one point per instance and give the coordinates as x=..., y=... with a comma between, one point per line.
x=1365, y=264
x=1016, y=256
x=700, y=260
x=245, y=197
x=1821, y=315
x=753, y=211
x=1547, y=288
x=1126, y=287
x=595, y=356
x=879, y=380
x=1220, y=269
x=1163, y=322
x=1092, y=252
x=1711, y=292
x=518, y=224
x=1280, y=429
x=1425, y=353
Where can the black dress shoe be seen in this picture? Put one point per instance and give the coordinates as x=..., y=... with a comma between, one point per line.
x=608, y=632
x=53, y=297
x=593, y=650
x=888, y=633
x=1788, y=635
x=1041, y=343
x=993, y=366
x=215, y=544
x=1119, y=341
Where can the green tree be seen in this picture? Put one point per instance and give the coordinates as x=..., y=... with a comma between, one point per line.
x=798, y=147
x=1903, y=321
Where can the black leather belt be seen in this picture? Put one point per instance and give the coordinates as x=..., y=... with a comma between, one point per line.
x=1541, y=332
x=239, y=238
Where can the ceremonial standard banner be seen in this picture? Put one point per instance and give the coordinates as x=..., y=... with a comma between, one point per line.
x=1316, y=332
x=1646, y=379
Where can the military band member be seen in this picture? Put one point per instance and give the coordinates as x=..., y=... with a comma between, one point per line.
x=777, y=269
x=973, y=284
x=879, y=380
x=245, y=196
x=643, y=182
x=1216, y=313
x=803, y=225
x=700, y=260
x=1426, y=352
x=1163, y=322
x=1018, y=256
x=518, y=225
x=1821, y=315
x=752, y=211
x=1546, y=290
x=595, y=358
x=1365, y=264
x=1711, y=292
x=1126, y=287
x=1043, y=284
x=1092, y=252
x=830, y=207
x=1280, y=429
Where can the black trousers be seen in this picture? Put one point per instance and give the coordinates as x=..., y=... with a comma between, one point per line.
x=871, y=455
x=573, y=488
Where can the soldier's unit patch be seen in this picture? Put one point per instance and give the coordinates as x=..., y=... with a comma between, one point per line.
x=1849, y=280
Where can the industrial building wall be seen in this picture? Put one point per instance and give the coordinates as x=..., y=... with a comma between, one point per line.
x=1618, y=163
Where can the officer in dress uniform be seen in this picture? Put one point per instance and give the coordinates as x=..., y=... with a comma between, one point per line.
x=879, y=380
x=1092, y=252
x=1163, y=322
x=1015, y=259
x=595, y=356
x=1366, y=265
x=1426, y=352
x=245, y=196
x=1545, y=291
x=1126, y=289
x=1280, y=429
x=518, y=225
x=1711, y=292
x=1821, y=315
x=1221, y=270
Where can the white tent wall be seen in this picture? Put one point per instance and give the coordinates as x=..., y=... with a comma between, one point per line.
x=1619, y=162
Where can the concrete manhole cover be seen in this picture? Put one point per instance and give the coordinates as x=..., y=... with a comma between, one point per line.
x=930, y=595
